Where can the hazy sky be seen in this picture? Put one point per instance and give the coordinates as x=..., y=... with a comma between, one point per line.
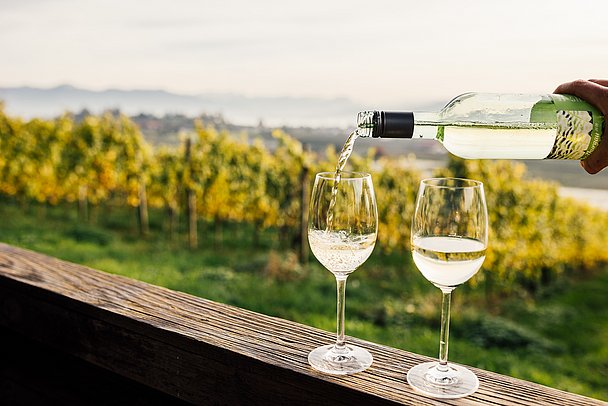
x=378, y=52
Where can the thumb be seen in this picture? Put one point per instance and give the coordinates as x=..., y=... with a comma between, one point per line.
x=598, y=159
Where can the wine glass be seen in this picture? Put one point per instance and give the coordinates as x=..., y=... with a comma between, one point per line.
x=342, y=231
x=449, y=241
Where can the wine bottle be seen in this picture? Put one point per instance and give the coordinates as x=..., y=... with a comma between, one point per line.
x=498, y=126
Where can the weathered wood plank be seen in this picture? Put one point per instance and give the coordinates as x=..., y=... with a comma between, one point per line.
x=206, y=352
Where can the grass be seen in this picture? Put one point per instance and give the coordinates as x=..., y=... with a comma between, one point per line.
x=556, y=338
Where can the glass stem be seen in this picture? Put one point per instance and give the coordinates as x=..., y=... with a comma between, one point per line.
x=341, y=288
x=445, y=330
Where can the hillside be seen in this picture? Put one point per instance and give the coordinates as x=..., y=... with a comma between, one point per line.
x=316, y=122
x=276, y=111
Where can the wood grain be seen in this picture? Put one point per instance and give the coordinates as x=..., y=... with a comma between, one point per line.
x=204, y=352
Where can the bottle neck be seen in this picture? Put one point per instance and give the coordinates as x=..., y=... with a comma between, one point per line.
x=391, y=124
x=426, y=125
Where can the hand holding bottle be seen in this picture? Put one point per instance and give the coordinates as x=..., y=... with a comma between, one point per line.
x=594, y=92
x=507, y=126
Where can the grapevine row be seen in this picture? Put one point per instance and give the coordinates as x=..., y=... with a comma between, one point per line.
x=103, y=160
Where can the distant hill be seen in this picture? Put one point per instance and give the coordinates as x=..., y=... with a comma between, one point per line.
x=31, y=102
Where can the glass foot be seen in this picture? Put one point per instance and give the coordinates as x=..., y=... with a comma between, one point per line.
x=453, y=382
x=340, y=361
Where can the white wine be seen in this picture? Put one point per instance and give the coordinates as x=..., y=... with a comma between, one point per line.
x=448, y=261
x=498, y=126
x=469, y=142
x=340, y=252
x=346, y=152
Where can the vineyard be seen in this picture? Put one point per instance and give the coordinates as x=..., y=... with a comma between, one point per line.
x=103, y=162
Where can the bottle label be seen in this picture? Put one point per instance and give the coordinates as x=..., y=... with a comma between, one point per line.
x=579, y=125
x=576, y=135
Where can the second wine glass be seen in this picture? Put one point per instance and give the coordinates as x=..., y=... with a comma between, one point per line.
x=342, y=231
x=449, y=241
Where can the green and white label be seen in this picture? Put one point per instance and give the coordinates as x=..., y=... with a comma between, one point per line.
x=575, y=138
x=579, y=125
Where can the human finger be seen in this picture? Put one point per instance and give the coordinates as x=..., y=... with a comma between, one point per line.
x=592, y=92
x=603, y=82
x=598, y=159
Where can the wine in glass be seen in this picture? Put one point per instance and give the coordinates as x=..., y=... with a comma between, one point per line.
x=342, y=231
x=449, y=241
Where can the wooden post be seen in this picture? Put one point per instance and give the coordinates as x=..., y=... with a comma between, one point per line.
x=304, y=202
x=192, y=220
x=83, y=203
x=142, y=208
x=191, y=201
x=172, y=220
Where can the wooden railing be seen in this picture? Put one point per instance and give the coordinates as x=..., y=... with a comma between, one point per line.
x=74, y=335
